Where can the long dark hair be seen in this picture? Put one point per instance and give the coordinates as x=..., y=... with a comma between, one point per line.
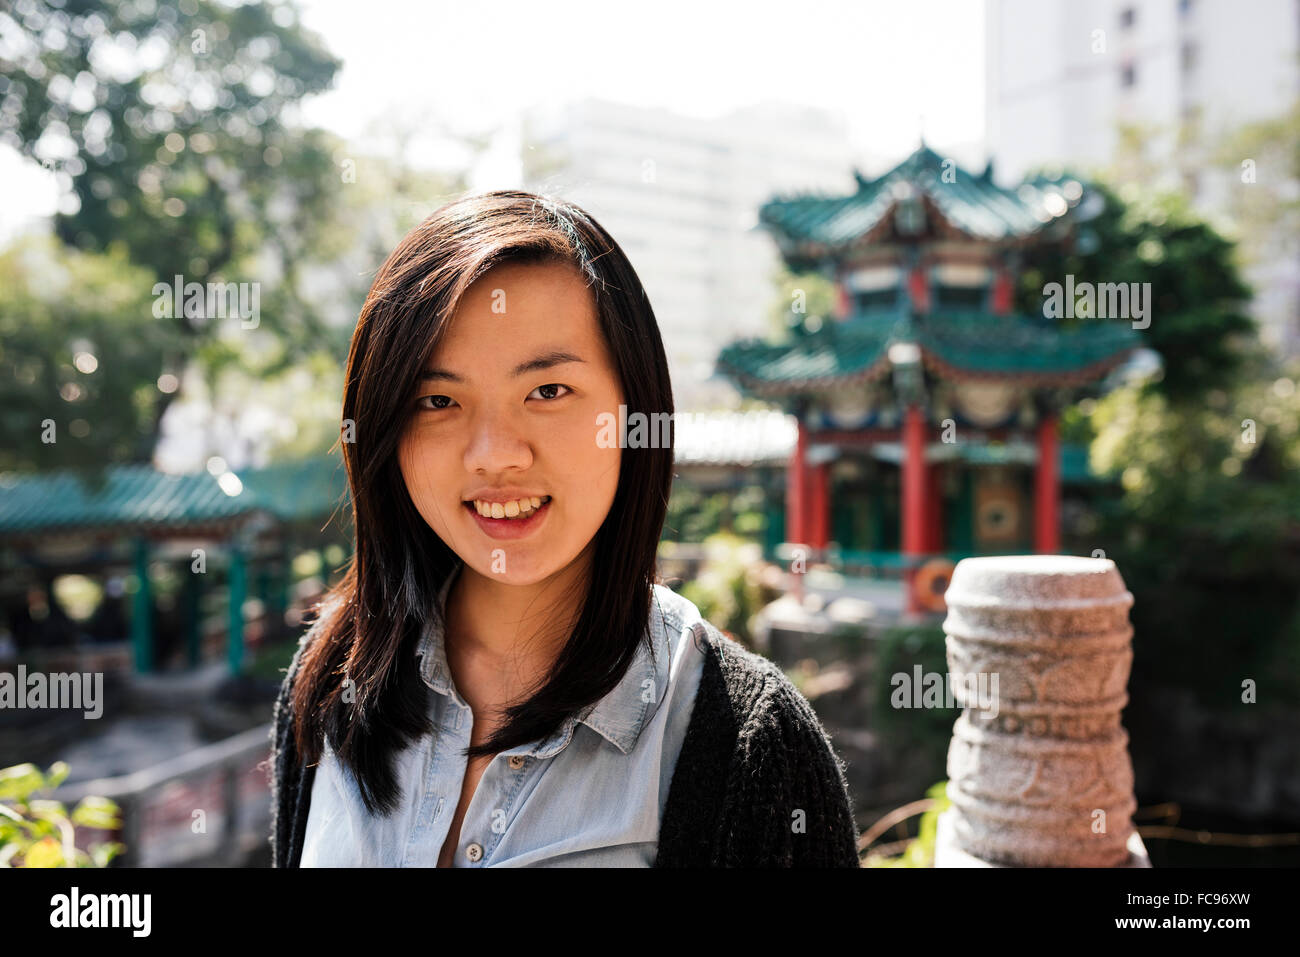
x=370, y=623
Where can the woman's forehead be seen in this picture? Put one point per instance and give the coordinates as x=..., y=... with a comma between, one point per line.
x=531, y=284
x=521, y=308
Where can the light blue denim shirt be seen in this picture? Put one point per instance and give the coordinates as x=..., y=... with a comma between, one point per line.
x=590, y=795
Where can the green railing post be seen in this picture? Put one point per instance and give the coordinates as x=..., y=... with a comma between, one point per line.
x=238, y=585
x=142, y=610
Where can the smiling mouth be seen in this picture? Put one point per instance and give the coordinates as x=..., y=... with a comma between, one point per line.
x=508, y=511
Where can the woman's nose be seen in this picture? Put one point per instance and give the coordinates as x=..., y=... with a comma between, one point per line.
x=497, y=443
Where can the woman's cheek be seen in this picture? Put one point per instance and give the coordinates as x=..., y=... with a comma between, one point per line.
x=593, y=444
x=417, y=463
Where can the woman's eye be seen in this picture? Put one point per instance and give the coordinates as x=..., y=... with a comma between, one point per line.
x=544, y=392
x=548, y=391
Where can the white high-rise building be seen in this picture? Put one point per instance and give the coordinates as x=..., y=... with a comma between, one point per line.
x=681, y=196
x=1064, y=77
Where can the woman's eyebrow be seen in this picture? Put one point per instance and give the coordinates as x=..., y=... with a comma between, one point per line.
x=546, y=360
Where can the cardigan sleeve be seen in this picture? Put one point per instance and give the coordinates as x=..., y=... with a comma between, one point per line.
x=787, y=801
x=290, y=781
x=284, y=771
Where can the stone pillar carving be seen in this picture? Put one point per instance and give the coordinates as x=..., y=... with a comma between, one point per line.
x=1039, y=773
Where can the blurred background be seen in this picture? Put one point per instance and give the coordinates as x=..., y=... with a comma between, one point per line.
x=848, y=217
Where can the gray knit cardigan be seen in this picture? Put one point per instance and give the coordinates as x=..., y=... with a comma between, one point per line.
x=757, y=783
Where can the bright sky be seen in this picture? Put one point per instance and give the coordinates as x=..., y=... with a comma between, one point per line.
x=893, y=68
x=884, y=64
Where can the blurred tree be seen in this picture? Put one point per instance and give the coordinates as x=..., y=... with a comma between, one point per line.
x=1198, y=321
x=1265, y=156
x=277, y=401
x=1206, y=527
x=172, y=130
x=727, y=590
x=1262, y=161
x=168, y=123
x=79, y=348
x=171, y=127
x=1207, y=532
x=800, y=296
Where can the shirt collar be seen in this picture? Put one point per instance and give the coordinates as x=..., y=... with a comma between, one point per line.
x=619, y=716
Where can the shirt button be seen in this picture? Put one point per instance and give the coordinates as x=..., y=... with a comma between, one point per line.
x=474, y=852
x=516, y=761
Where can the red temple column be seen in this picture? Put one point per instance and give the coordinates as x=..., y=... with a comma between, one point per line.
x=1000, y=300
x=1047, y=489
x=914, y=497
x=796, y=490
x=918, y=287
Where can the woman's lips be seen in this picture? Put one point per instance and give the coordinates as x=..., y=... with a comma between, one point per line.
x=506, y=529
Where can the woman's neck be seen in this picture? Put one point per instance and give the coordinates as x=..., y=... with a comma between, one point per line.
x=511, y=632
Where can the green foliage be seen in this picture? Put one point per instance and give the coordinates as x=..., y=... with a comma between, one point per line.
x=1264, y=203
x=725, y=591
x=1207, y=533
x=693, y=516
x=1198, y=323
x=171, y=132
x=901, y=649
x=1205, y=527
x=61, y=307
x=182, y=154
x=801, y=296
x=272, y=659
x=37, y=832
x=920, y=850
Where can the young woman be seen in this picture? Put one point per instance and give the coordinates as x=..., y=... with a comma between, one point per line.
x=498, y=680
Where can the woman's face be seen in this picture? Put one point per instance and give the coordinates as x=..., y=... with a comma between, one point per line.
x=504, y=417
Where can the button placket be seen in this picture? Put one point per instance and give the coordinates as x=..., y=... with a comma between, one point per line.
x=506, y=789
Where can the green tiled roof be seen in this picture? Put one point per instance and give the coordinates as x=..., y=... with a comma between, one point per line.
x=808, y=227
x=1021, y=347
x=836, y=353
x=141, y=498
x=976, y=345
x=296, y=491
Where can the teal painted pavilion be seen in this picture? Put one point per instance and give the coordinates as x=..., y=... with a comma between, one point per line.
x=927, y=407
x=247, y=529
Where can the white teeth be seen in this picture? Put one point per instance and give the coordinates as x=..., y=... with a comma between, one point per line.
x=512, y=509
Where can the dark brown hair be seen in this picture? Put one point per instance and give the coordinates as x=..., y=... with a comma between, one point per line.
x=371, y=621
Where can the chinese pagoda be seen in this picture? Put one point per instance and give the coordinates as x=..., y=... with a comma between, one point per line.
x=927, y=408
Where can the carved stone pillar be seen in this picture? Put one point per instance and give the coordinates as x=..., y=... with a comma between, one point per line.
x=1039, y=773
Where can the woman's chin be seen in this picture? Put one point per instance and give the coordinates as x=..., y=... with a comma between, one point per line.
x=512, y=566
